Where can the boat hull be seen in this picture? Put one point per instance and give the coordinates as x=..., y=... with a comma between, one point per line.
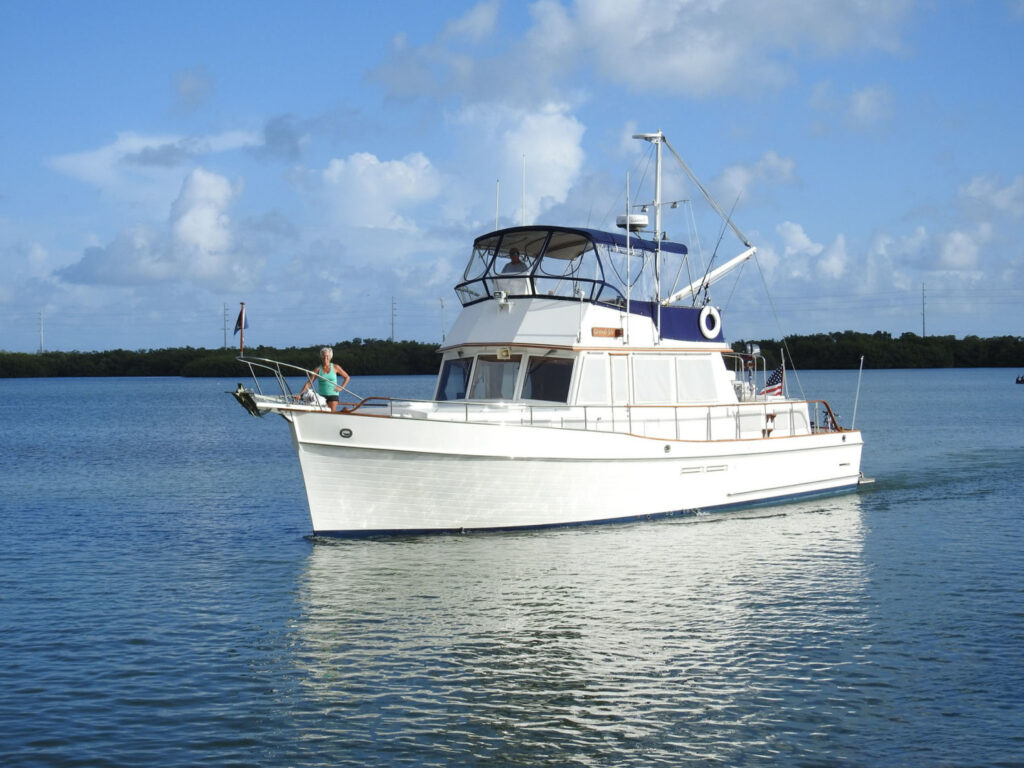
x=368, y=475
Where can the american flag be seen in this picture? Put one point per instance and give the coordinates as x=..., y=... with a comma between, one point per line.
x=775, y=382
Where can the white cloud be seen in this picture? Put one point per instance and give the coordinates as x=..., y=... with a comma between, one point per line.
x=737, y=181
x=959, y=250
x=200, y=228
x=870, y=106
x=496, y=138
x=806, y=260
x=986, y=191
x=476, y=24
x=137, y=168
x=796, y=241
x=197, y=246
x=693, y=47
x=832, y=263
x=364, y=191
x=864, y=109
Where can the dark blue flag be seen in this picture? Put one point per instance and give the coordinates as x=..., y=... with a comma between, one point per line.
x=242, y=321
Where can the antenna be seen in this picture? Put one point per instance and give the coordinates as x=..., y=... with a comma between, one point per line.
x=629, y=264
x=442, y=321
x=657, y=139
x=524, y=189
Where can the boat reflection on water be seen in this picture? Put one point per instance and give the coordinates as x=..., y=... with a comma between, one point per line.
x=692, y=636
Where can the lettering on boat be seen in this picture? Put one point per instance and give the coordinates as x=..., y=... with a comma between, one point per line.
x=605, y=333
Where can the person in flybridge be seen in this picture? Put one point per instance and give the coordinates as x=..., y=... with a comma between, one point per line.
x=514, y=265
x=326, y=379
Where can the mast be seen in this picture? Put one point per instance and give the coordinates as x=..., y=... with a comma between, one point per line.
x=657, y=139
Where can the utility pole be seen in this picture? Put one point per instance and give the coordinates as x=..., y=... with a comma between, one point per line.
x=40, y=333
x=922, y=312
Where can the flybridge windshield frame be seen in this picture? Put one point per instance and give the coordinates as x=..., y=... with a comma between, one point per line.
x=561, y=263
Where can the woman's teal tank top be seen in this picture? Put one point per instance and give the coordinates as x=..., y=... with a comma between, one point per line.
x=327, y=382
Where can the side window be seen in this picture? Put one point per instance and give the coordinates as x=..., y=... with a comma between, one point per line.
x=548, y=378
x=620, y=380
x=594, y=381
x=454, y=379
x=653, y=379
x=495, y=378
x=695, y=379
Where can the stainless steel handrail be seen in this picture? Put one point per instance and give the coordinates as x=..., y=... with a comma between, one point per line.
x=274, y=367
x=586, y=417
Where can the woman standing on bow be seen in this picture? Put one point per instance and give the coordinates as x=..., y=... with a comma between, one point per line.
x=326, y=379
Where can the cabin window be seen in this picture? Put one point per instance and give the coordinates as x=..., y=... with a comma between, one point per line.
x=547, y=378
x=695, y=379
x=494, y=378
x=454, y=379
x=594, y=381
x=653, y=379
x=620, y=379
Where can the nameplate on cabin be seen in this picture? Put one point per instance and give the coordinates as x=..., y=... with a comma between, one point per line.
x=606, y=333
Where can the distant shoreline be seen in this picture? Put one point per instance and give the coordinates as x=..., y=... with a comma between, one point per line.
x=376, y=357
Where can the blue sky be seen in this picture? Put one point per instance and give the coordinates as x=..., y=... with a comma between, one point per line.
x=326, y=161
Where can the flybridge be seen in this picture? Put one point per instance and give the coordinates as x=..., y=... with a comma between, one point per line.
x=562, y=262
x=578, y=264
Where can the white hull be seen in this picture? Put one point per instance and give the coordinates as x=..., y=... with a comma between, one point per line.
x=396, y=475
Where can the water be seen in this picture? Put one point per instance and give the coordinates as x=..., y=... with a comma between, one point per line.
x=162, y=604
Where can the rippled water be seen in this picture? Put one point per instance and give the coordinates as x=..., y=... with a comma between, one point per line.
x=162, y=604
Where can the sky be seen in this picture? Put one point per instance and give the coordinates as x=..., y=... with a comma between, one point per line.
x=330, y=163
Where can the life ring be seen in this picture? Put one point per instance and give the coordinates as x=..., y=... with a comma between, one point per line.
x=710, y=331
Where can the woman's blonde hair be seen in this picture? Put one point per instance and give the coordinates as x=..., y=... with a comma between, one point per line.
x=328, y=350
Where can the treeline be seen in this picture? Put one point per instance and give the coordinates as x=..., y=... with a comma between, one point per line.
x=882, y=350
x=374, y=357
x=360, y=357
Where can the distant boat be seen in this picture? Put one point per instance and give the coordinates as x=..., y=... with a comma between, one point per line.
x=571, y=390
x=1020, y=379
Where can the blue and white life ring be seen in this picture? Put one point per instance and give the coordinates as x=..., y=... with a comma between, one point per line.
x=710, y=322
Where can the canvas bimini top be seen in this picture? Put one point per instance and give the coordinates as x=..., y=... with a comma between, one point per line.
x=564, y=262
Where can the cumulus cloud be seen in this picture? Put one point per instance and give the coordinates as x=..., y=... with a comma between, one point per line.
x=737, y=181
x=476, y=25
x=137, y=168
x=960, y=250
x=676, y=46
x=365, y=191
x=27, y=263
x=497, y=138
x=832, y=263
x=805, y=259
x=990, y=194
x=863, y=109
x=197, y=245
x=796, y=241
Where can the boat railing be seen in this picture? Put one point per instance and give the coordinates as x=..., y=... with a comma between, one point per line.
x=262, y=368
x=734, y=421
